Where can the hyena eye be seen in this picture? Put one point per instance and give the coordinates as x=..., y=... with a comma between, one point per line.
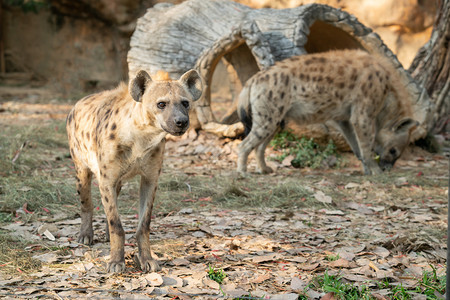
x=161, y=105
x=392, y=151
x=185, y=104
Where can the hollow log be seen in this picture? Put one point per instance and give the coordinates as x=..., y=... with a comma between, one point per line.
x=198, y=34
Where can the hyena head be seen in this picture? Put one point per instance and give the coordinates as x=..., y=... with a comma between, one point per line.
x=392, y=140
x=167, y=101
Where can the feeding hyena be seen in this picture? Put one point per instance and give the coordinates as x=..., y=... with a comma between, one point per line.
x=362, y=94
x=118, y=134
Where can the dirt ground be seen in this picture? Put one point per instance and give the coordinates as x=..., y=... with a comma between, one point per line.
x=272, y=235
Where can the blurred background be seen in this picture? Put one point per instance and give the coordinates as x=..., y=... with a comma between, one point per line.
x=78, y=47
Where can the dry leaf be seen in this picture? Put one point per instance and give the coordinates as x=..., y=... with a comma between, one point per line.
x=49, y=235
x=352, y=185
x=264, y=258
x=154, y=279
x=25, y=189
x=321, y=197
x=340, y=263
x=329, y=296
x=308, y=267
x=172, y=281
x=47, y=258
x=180, y=262
x=284, y=297
x=297, y=284
x=333, y=212
x=210, y=283
x=261, y=278
x=381, y=251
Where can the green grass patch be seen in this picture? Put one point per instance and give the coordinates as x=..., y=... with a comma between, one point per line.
x=218, y=275
x=430, y=284
x=306, y=152
x=334, y=284
x=331, y=257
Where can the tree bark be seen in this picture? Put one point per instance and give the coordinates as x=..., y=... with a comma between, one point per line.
x=431, y=68
x=2, y=51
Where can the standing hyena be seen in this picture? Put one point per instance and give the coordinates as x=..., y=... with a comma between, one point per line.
x=119, y=134
x=360, y=93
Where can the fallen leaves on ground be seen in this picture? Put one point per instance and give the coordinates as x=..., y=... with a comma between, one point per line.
x=266, y=253
x=262, y=252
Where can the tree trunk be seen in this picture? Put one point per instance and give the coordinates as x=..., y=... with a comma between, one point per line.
x=431, y=68
x=2, y=52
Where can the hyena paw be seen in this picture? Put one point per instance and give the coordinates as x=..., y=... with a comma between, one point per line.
x=149, y=265
x=265, y=170
x=372, y=170
x=241, y=170
x=86, y=238
x=240, y=174
x=376, y=171
x=115, y=267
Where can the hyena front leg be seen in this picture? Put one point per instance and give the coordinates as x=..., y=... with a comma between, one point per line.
x=116, y=232
x=118, y=189
x=149, y=185
x=84, y=179
x=364, y=130
x=147, y=197
x=349, y=134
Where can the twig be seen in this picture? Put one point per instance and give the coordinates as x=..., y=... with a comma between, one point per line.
x=19, y=151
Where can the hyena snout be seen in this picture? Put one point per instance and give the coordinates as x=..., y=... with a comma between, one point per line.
x=386, y=158
x=386, y=165
x=182, y=122
x=391, y=142
x=177, y=124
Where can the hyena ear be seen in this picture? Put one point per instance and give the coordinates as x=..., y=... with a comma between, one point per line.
x=193, y=82
x=405, y=125
x=138, y=85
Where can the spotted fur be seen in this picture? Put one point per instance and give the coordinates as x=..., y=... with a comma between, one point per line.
x=360, y=93
x=118, y=134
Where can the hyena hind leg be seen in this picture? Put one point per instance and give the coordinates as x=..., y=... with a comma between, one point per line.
x=84, y=179
x=263, y=168
x=256, y=138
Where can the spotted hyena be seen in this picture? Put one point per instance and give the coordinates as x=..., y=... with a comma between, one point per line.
x=119, y=134
x=362, y=94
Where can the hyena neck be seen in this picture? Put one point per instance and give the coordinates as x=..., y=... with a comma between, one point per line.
x=390, y=113
x=142, y=120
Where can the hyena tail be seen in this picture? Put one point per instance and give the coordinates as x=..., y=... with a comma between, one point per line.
x=245, y=109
